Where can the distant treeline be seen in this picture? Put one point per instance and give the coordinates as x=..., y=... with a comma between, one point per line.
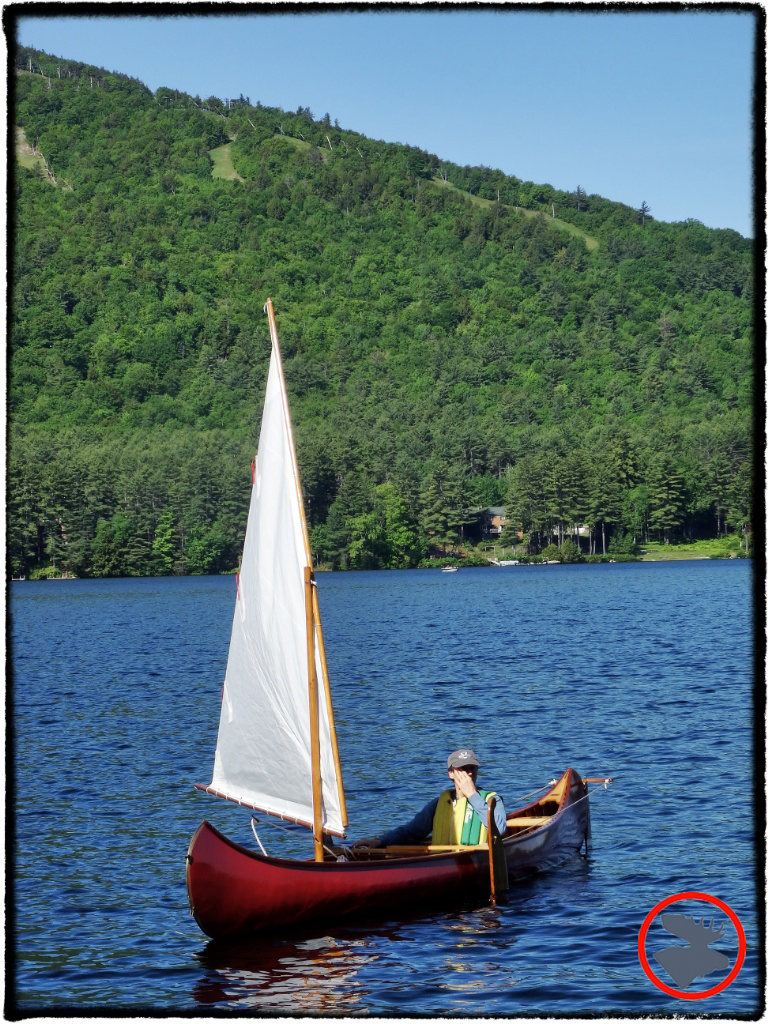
x=448, y=344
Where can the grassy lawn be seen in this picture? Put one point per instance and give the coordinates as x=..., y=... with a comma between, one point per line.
x=653, y=551
x=223, y=166
x=24, y=154
x=303, y=146
x=561, y=225
x=222, y=163
x=656, y=552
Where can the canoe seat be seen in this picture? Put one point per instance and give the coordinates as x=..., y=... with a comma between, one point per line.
x=527, y=822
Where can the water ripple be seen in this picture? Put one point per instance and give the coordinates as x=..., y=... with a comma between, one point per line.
x=641, y=671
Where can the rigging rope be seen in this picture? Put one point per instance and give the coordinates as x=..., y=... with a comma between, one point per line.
x=550, y=784
x=587, y=795
x=533, y=792
x=344, y=853
x=255, y=821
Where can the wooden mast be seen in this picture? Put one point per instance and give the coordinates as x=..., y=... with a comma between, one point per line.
x=314, y=719
x=329, y=706
x=314, y=630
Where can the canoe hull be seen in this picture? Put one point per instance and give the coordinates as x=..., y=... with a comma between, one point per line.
x=234, y=891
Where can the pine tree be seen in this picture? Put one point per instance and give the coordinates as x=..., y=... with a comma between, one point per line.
x=666, y=497
x=164, y=544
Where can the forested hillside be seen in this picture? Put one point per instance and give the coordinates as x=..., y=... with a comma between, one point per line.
x=453, y=338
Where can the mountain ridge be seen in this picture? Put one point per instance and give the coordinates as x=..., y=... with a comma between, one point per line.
x=443, y=350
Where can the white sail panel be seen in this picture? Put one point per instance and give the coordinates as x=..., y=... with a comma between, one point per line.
x=263, y=756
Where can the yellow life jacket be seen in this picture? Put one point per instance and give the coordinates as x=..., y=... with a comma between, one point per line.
x=459, y=824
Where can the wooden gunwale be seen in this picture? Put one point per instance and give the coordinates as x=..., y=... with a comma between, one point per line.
x=523, y=819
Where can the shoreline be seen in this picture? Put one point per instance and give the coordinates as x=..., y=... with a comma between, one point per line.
x=682, y=557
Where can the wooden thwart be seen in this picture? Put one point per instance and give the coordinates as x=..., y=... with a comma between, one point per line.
x=426, y=848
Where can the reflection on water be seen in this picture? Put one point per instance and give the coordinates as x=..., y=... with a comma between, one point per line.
x=469, y=971
x=315, y=976
x=325, y=975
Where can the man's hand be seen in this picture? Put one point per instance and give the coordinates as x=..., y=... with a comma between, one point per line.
x=463, y=782
x=367, y=844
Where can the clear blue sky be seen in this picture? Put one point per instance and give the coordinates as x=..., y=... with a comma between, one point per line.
x=636, y=105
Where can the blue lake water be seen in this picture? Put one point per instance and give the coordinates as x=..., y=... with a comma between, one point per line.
x=640, y=671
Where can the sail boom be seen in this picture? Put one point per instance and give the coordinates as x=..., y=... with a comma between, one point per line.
x=264, y=810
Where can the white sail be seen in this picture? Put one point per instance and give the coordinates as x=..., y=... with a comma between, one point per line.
x=263, y=754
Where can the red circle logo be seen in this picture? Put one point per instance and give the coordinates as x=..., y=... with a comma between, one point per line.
x=699, y=896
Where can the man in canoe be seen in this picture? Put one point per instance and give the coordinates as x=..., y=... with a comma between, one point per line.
x=457, y=816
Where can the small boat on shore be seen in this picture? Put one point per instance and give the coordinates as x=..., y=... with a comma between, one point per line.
x=277, y=752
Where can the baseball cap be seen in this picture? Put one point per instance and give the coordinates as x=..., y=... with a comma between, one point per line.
x=462, y=758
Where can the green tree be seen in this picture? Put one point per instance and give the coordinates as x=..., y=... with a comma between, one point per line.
x=164, y=544
x=443, y=510
x=666, y=498
x=207, y=550
x=570, y=551
x=739, y=503
x=110, y=545
x=604, y=497
x=385, y=537
x=634, y=514
x=525, y=499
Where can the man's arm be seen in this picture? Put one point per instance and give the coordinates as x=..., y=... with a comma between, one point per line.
x=480, y=807
x=415, y=831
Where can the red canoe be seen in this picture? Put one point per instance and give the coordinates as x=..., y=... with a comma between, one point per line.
x=234, y=891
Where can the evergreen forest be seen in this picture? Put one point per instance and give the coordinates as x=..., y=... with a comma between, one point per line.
x=454, y=339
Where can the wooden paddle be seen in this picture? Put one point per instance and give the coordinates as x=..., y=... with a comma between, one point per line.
x=497, y=861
